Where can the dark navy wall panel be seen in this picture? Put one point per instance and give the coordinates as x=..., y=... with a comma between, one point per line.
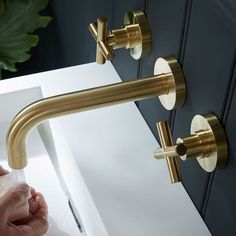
x=220, y=207
x=166, y=20
x=220, y=213
x=71, y=20
x=207, y=65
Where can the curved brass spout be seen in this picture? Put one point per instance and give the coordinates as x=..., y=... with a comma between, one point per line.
x=64, y=104
x=168, y=84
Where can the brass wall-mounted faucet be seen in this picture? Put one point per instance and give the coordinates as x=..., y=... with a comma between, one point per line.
x=207, y=143
x=135, y=35
x=167, y=83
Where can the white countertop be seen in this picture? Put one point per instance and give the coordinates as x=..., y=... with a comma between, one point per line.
x=39, y=172
x=105, y=160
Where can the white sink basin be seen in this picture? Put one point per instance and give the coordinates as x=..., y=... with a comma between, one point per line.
x=40, y=172
x=103, y=159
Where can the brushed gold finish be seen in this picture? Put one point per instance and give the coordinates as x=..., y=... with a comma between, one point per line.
x=101, y=35
x=103, y=50
x=93, y=30
x=133, y=90
x=177, y=94
x=166, y=141
x=75, y=102
x=141, y=35
x=162, y=153
x=207, y=143
x=215, y=153
x=135, y=35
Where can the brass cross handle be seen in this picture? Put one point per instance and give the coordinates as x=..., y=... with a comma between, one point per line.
x=99, y=32
x=168, y=151
x=207, y=143
x=135, y=35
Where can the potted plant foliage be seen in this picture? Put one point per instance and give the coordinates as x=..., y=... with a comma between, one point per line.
x=18, y=20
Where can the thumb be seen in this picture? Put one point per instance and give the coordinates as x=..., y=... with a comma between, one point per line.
x=16, y=197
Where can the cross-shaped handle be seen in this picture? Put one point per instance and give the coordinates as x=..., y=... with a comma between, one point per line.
x=134, y=35
x=99, y=32
x=168, y=151
x=207, y=143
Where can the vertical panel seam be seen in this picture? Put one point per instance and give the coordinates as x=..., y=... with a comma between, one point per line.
x=206, y=195
x=140, y=64
x=181, y=50
x=230, y=93
x=112, y=14
x=224, y=117
x=182, y=46
x=146, y=6
x=181, y=57
x=233, y=85
x=185, y=30
x=139, y=75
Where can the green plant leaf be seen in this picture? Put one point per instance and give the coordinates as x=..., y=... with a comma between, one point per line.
x=18, y=20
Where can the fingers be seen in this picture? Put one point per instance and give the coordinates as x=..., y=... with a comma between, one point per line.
x=3, y=171
x=35, y=224
x=41, y=201
x=33, y=208
x=39, y=225
x=36, y=201
x=23, y=221
x=19, y=213
x=39, y=222
x=25, y=230
x=22, y=230
x=16, y=197
x=33, y=192
x=37, y=206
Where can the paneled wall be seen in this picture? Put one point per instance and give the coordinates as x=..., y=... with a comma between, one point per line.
x=202, y=36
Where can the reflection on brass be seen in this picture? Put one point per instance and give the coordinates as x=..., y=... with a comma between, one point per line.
x=135, y=35
x=177, y=93
x=79, y=101
x=215, y=151
x=166, y=141
x=207, y=143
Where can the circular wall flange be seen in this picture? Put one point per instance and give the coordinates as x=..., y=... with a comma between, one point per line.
x=176, y=96
x=138, y=17
x=217, y=157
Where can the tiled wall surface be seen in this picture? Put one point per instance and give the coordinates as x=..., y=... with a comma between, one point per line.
x=202, y=36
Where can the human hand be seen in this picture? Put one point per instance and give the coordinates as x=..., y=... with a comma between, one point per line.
x=32, y=223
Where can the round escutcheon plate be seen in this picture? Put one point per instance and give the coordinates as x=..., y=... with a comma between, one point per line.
x=176, y=96
x=217, y=158
x=138, y=17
